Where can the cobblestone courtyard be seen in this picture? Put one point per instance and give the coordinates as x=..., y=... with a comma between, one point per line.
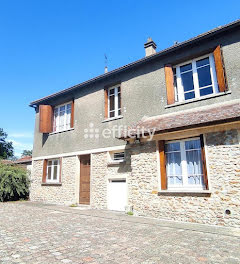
x=36, y=233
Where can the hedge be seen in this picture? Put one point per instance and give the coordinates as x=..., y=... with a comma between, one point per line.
x=14, y=183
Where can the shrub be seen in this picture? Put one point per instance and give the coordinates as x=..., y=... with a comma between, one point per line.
x=14, y=183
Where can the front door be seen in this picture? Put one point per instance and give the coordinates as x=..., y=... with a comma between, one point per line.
x=84, y=197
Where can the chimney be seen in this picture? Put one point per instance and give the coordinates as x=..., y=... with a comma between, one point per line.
x=150, y=47
x=105, y=69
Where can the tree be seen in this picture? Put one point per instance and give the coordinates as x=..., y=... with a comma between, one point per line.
x=14, y=183
x=6, y=148
x=26, y=153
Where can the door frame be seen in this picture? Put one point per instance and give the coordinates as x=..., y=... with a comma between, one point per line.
x=109, y=180
x=79, y=181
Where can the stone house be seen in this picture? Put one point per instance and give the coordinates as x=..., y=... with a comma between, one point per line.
x=159, y=136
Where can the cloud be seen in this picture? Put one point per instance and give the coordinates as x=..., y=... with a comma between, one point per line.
x=20, y=146
x=21, y=135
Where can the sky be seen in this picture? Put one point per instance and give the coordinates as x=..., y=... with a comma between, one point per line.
x=50, y=45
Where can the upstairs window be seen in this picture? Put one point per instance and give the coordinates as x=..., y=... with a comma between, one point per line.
x=62, y=117
x=114, y=102
x=195, y=79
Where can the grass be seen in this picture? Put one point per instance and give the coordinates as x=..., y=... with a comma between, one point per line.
x=130, y=213
x=73, y=205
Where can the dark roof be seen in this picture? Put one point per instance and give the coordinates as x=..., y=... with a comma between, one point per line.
x=183, y=44
x=198, y=117
x=24, y=159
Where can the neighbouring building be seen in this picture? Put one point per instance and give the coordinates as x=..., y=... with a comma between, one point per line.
x=25, y=162
x=159, y=136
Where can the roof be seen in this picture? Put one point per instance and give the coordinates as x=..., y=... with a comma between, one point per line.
x=24, y=159
x=6, y=162
x=198, y=117
x=183, y=44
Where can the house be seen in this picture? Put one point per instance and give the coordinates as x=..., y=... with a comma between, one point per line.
x=159, y=136
x=25, y=162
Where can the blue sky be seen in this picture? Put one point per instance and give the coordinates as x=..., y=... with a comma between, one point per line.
x=47, y=46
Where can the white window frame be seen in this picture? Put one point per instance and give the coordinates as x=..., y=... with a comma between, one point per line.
x=213, y=74
x=111, y=159
x=116, y=106
x=185, y=186
x=58, y=117
x=51, y=180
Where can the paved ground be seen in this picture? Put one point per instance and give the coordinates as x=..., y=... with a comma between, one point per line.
x=36, y=233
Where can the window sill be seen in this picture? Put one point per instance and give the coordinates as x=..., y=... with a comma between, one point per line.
x=112, y=118
x=198, y=99
x=115, y=162
x=58, y=132
x=199, y=193
x=51, y=184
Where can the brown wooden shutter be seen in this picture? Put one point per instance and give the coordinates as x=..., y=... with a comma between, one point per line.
x=204, y=165
x=106, y=103
x=44, y=174
x=219, y=65
x=169, y=84
x=161, y=145
x=120, y=94
x=60, y=170
x=45, y=118
x=72, y=114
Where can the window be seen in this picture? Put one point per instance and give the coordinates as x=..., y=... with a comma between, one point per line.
x=195, y=79
x=62, y=117
x=114, y=102
x=53, y=170
x=184, y=164
x=116, y=156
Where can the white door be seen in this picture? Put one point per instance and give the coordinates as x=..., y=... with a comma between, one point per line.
x=117, y=195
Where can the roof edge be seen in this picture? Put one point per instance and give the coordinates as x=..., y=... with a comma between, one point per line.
x=183, y=44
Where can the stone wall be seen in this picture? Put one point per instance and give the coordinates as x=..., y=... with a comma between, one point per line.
x=223, y=158
x=101, y=172
x=64, y=194
x=98, y=190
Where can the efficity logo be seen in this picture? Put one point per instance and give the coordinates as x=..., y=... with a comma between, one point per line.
x=91, y=132
x=117, y=132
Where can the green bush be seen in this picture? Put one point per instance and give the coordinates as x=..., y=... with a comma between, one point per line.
x=14, y=183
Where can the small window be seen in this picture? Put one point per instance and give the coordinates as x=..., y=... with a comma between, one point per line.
x=184, y=164
x=116, y=156
x=53, y=170
x=114, y=102
x=62, y=117
x=195, y=79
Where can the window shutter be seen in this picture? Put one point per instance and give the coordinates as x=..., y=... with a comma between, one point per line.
x=219, y=65
x=169, y=84
x=106, y=103
x=204, y=166
x=44, y=174
x=45, y=118
x=162, y=165
x=72, y=114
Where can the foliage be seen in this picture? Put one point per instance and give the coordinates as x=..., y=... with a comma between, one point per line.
x=6, y=148
x=73, y=205
x=130, y=213
x=26, y=153
x=14, y=183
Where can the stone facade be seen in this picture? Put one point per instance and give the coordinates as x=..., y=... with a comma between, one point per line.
x=98, y=191
x=59, y=194
x=223, y=159
x=142, y=173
